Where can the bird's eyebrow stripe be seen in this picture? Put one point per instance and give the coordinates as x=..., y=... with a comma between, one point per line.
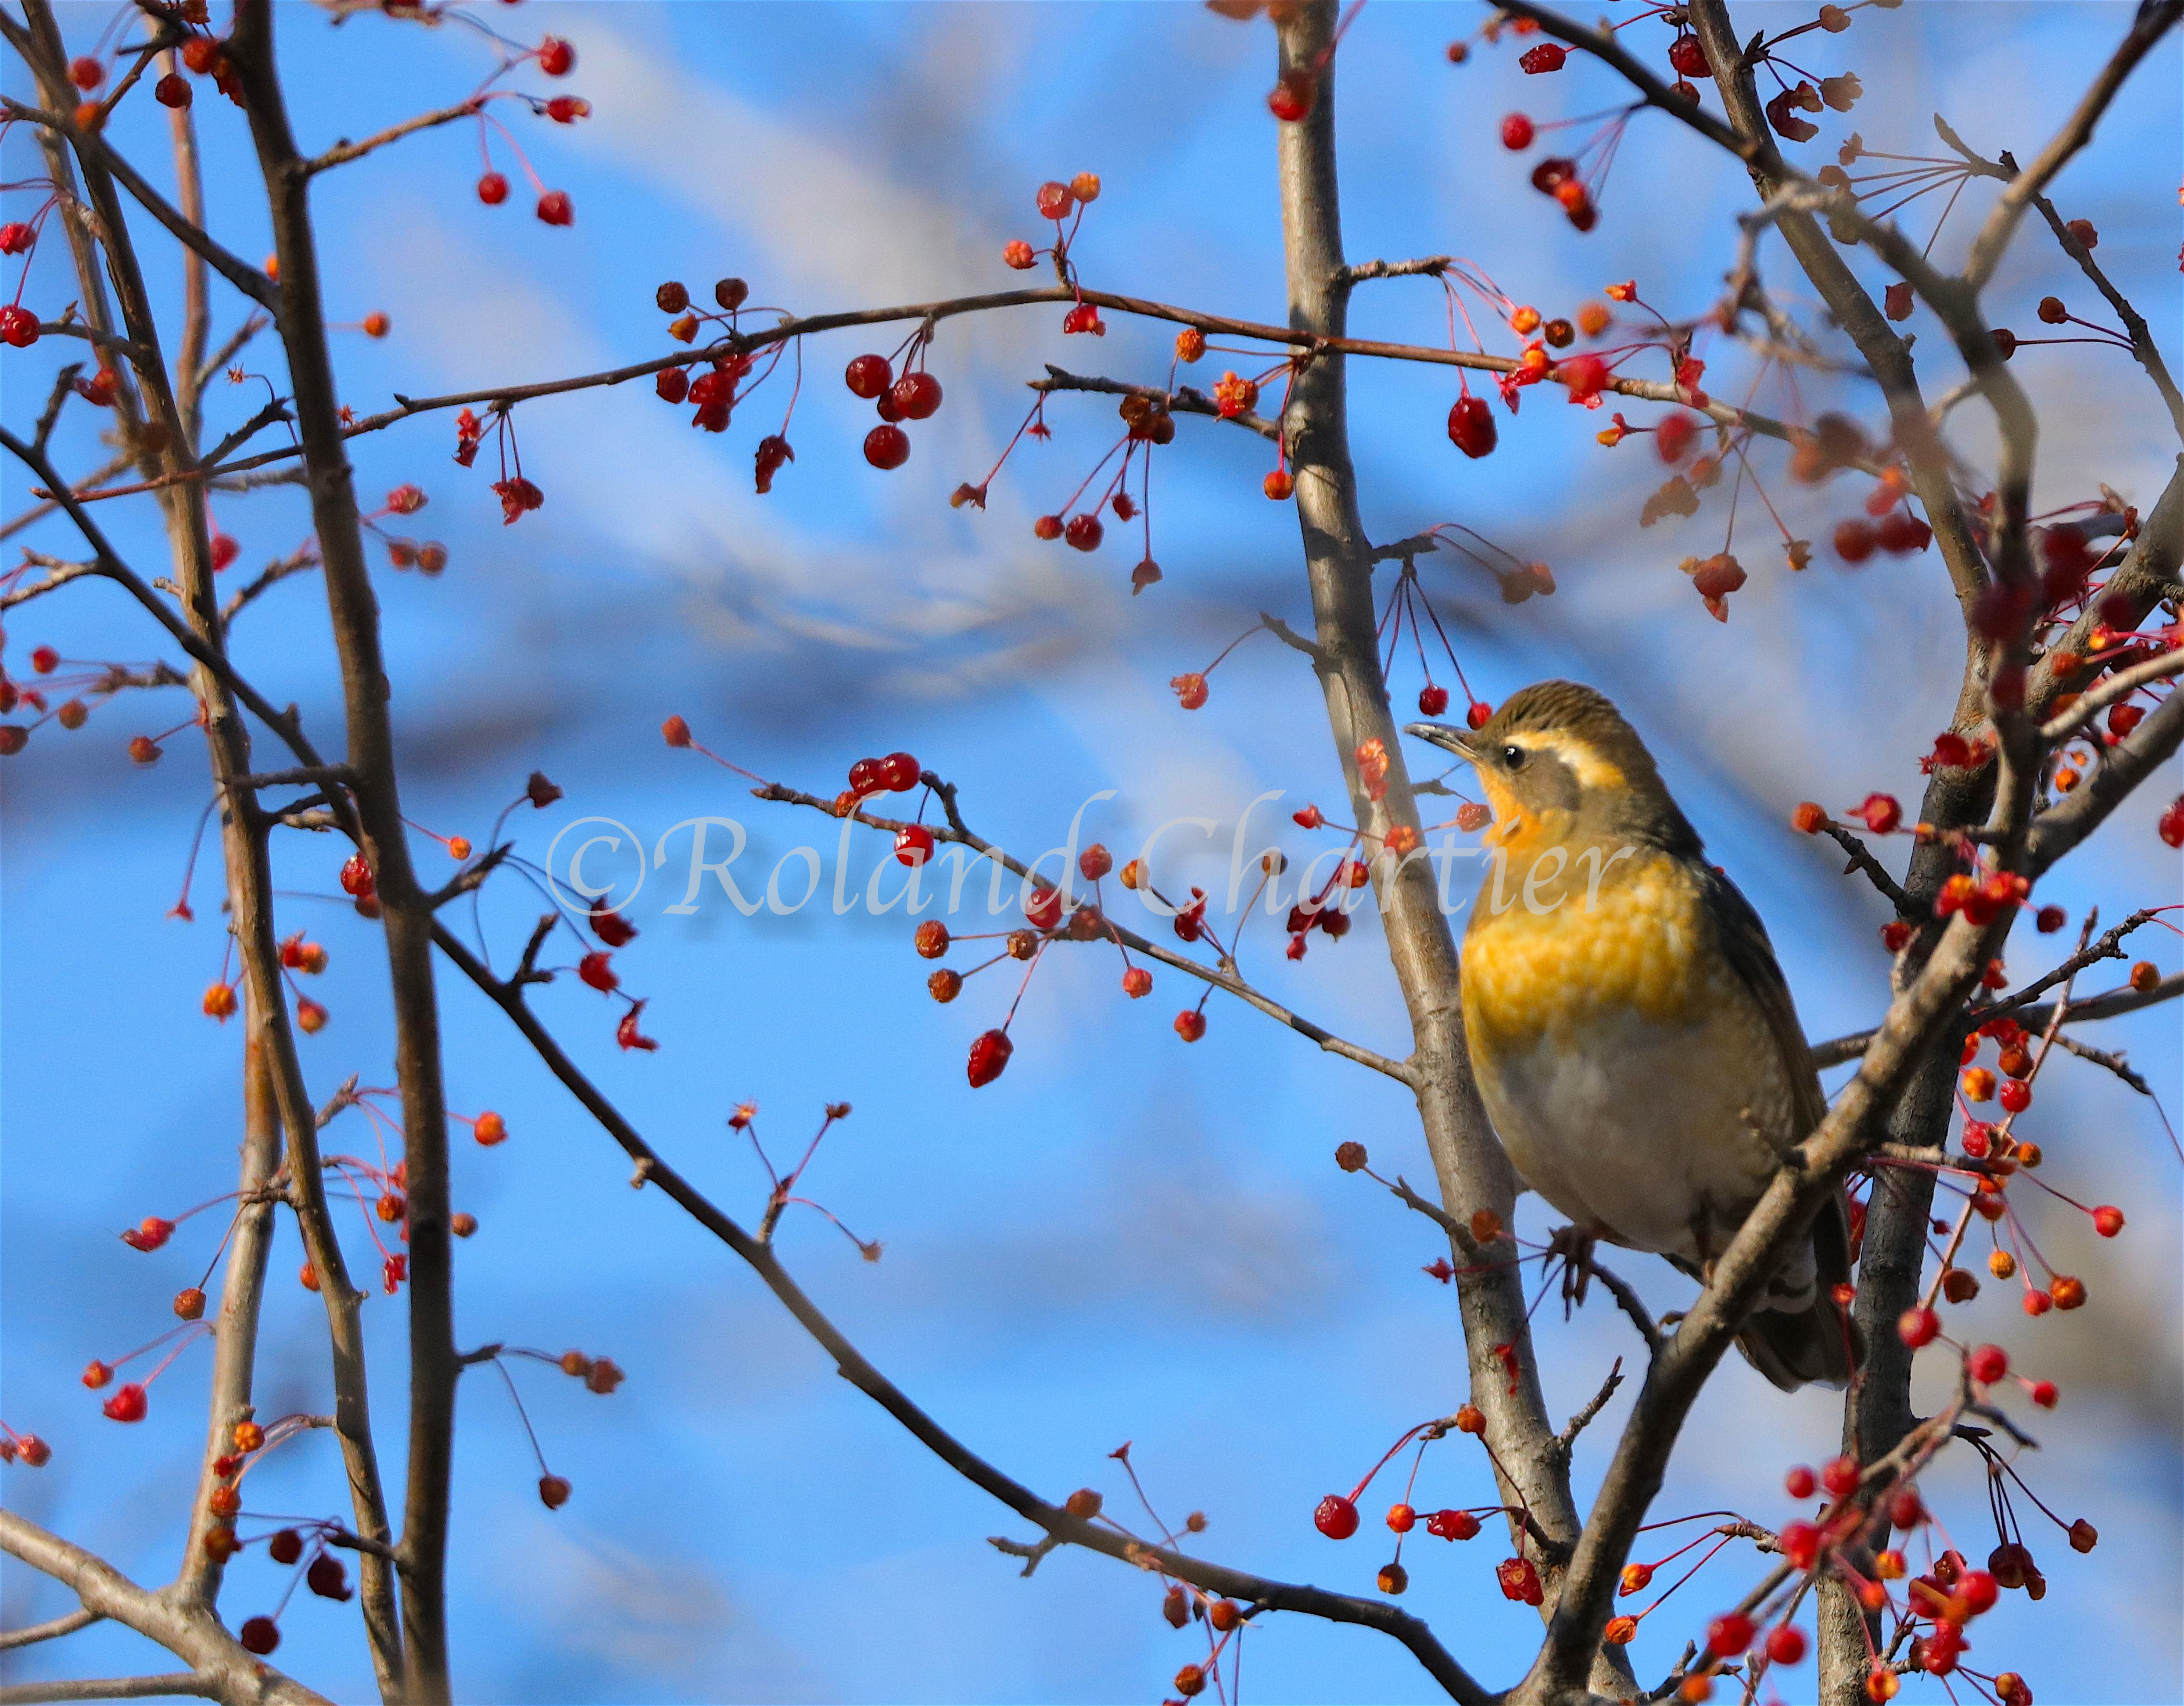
x=1583, y=760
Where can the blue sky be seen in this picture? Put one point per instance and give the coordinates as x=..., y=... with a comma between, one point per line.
x=1122, y=1238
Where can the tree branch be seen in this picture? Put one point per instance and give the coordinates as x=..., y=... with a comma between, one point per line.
x=854, y=1367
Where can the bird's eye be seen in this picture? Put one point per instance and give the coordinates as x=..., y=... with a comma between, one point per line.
x=1513, y=757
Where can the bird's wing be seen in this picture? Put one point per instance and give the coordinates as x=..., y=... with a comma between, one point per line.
x=1743, y=942
x=1828, y=1347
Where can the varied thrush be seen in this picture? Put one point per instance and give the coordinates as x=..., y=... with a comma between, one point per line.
x=1632, y=1036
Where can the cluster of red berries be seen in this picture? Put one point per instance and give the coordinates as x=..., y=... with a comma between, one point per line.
x=914, y=396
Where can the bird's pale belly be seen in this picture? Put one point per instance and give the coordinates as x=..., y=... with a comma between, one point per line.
x=1648, y=1135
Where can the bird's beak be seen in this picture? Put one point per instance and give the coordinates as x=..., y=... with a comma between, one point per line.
x=1454, y=740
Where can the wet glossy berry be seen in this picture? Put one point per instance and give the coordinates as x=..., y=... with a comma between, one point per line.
x=1516, y=131
x=917, y=395
x=1471, y=425
x=887, y=446
x=1335, y=1517
x=989, y=1054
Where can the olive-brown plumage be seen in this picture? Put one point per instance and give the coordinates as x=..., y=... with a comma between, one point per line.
x=1632, y=1036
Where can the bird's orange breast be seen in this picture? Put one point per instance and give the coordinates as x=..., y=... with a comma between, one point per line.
x=1632, y=942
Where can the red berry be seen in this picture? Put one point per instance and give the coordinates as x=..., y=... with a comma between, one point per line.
x=259, y=1635
x=1452, y=1525
x=917, y=395
x=1095, y=861
x=2050, y=919
x=1401, y=1518
x=1918, y=1327
x=1084, y=531
x=1786, y=1645
x=1799, y=1482
x=1987, y=1363
x=2045, y=1394
x=173, y=90
x=1190, y=1026
x=2016, y=1095
x=913, y=844
x=1689, y=57
x=555, y=208
x=887, y=446
x=1840, y=1476
x=1336, y=1517
x=492, y=189
x=1291, y=99
x=989, y=1054
x=552, y=1491
x=86, y=73
x=1043, y=909
x=1853, y=540
x=1136, y=982
x=899, y=772
x=1516, y=131
x=1548, y=55
x=867, y=376
x=1053, y=200
x=1433, y=700
x=127, y=1404
x=2108, y=1220
x=867, y=776
x=18, y=327
x=1471, y=425
x=1728, y=1635
x=556, y=58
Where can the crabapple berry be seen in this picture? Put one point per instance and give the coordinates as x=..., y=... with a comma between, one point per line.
x=259, y=1635
x=556, y=58
x=1335, y=1517
x=1019, y=254
x=1190, y=1024
x=174, y=91
x=1516, y=131
x=868, y=376
x=1799, y=1482
x=1987, y=1363
x=989, y=1053
x=2108, y=1220
x=887, y=446
x=1471, y=425
x=552, y=1491
x=1136, y=982
x=930, y=940
x=1786, y=1645
x=1084, y=532
x=944, y=985
x=127, y=1404
x=1840, y=1476
x=1053, y=200
x=1728, y=1635
x=1433, y=700
x=555, y=208
x=1918, y=1327
x=917, y=395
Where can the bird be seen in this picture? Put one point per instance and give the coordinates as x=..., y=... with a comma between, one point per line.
x=1629, y=1029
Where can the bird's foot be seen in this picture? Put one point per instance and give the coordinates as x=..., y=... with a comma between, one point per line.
x=1573, y=1244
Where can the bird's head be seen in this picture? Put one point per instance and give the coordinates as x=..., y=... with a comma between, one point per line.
x=1557, y=763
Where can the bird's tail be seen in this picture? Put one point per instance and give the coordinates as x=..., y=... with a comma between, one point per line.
x=1819, y=1344
x=1800, y=1335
